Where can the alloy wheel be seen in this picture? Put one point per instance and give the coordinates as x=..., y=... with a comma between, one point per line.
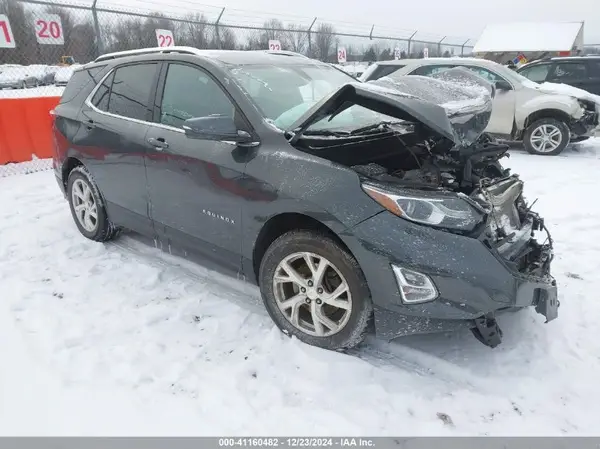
x=84, y=204
x=546, y=138
x=312, y=294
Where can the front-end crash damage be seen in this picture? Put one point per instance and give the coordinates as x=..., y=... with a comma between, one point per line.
x=426, y=159
x=587, y=122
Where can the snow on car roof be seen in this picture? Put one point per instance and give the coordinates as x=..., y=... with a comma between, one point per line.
x=529, y=36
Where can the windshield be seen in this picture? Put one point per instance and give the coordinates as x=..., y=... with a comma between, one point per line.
x=284, y=93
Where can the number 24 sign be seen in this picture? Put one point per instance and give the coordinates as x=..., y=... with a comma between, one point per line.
x=7, y=40
x=49, y=30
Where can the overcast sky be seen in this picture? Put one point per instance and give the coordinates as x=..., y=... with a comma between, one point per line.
x=458, y=18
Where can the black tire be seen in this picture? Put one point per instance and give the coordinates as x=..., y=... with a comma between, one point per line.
x=104, y=230
x=565, y=135
x=355, y=329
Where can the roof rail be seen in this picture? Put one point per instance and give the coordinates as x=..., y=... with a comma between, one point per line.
x=283, y=53
x=148, y=51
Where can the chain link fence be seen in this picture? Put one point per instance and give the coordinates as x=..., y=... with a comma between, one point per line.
x=42, y=42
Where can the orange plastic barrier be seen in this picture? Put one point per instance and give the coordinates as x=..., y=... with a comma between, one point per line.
x=25, y=128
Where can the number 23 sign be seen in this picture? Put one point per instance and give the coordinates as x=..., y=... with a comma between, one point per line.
x=48, y=29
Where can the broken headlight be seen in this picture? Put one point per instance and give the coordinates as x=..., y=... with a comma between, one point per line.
x=441, y=210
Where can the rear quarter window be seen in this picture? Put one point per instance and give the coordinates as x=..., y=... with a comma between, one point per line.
x=384, y=70
x=80, y=80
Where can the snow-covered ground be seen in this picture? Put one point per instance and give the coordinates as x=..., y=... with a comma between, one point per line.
x=121, y=339
x=41, y=91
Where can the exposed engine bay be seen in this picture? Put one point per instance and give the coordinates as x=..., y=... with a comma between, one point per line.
x=407, y=156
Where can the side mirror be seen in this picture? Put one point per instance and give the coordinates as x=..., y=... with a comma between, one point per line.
x=215, y=127
x=503, y=85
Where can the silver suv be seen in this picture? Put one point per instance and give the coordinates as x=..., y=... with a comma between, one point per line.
x=545, y=120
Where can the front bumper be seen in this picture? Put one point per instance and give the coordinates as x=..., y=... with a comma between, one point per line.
x=587, y=125
x=475, y=282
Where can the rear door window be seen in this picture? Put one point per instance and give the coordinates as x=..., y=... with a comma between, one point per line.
x=130, y=91
x=537, y=73
x=428, y=70
x=569, y=71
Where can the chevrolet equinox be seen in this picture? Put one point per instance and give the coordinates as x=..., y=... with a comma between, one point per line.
x=347, y=203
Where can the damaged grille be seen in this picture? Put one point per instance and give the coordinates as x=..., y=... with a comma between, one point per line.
x=505, y=216
x=511, y=227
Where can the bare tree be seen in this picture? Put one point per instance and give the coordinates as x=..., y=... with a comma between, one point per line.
x=273, y=30
x=295, y=38
x=325, y=40
x=195, y=33
x=228, y=39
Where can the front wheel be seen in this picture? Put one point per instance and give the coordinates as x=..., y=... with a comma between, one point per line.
x=546, y=137
x=315, y=290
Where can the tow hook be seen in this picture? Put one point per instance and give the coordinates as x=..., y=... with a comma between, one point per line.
x=487, y=331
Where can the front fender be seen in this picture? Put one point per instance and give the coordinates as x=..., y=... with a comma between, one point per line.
x=561, y=103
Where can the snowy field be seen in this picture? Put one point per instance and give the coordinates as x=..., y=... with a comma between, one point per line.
x=120, y=339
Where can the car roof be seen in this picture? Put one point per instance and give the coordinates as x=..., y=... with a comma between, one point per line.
x=428, y=61
x=225, y=57
x=560, y=58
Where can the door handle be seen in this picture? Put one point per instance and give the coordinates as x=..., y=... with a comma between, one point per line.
x=159, y=143
x=90, y=124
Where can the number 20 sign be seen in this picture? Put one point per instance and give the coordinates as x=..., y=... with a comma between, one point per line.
x=48, y=29
x=7, y=40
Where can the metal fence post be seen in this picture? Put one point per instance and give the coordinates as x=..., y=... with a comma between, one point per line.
x=99, y=41
x=217, y=32
x=410, y=41
x=308, y=32
x=462, y=48
x=439, y=49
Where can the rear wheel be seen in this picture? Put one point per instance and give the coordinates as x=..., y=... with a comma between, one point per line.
x=547, y=137
x=88, y=208
x=315, y=290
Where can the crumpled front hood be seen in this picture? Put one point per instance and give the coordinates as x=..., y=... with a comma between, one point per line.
x=455, y=105
x=379, y=99
x=465, y=96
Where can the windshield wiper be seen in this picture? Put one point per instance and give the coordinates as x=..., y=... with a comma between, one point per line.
x=326, y=132
x=373, y=127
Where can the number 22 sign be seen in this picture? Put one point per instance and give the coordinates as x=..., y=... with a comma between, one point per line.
x=49, y=30
x=7, y=40
x=165, y=38
x=274, y=45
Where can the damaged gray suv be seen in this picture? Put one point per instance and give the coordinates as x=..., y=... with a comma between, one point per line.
x=347, y=203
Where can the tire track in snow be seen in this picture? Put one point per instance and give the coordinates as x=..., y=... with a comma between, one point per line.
x=378, y=353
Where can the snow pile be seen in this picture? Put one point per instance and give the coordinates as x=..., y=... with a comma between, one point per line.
x=121, y=339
